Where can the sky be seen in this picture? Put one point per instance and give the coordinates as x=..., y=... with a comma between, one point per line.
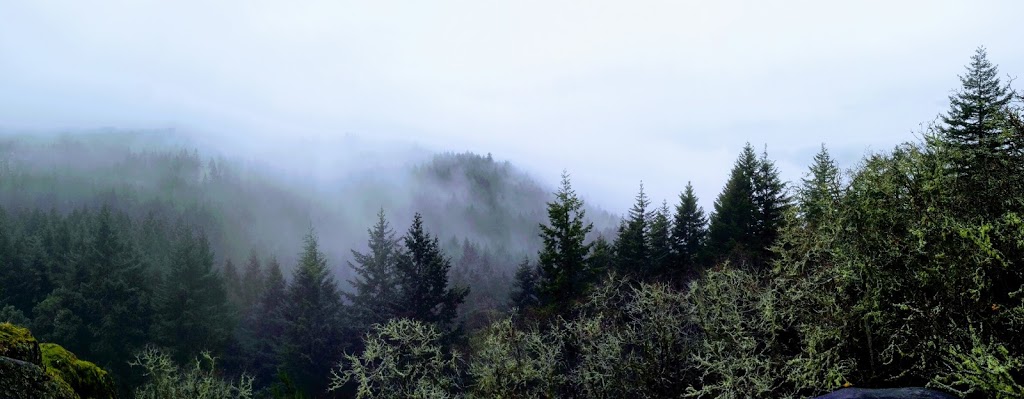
x=615, y=92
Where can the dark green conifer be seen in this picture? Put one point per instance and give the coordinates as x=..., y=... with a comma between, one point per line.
x=563, y=259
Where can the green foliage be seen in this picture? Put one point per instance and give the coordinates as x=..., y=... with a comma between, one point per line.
x=983, y=368
x=18, y=343
x=423, y=272
x=819, y=193
x=403, y=358
x=312, y=337
x=191, y=305
x=633, y=246
x=525, y=293
x=563, y=265
x=198, y=379
x=375, y=287
x=661, y=242
x=85, y=378
x=730, y=233
x=513, y=362
x=689, y=234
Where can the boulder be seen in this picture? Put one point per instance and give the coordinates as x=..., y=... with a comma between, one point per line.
x=85, y=378
x=18, y=343
x=24, y=380
x=891, y=393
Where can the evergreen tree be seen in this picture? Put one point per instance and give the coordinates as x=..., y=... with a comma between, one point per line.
x=771, y=201
x=973, y=135
x=563, y=259
x=689, y=233
x=749, y=212
x=524, y=291
x=233, y=285
x=818, y=195
x=732, y=225
x=191, y=305
x=423, y=277
x=116, y=302
x=312, y=339
x=253, y=283
x=633, y=248
x=601, y=260
x=269, y=325
x=375, y=288
x=661, y=241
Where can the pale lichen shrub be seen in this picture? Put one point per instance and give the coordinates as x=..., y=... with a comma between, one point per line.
x=630, y=339
x=198, y=380
x=986, y=368
x=402, y=358
x=735, y=356
x=513, y=362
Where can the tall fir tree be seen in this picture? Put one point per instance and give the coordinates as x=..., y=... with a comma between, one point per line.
x=771, y=201
x=313, y=330
x=269, y=321
x=191, y=305
x=117, y=301
x=661, y=242
x=633, y=247
x=689, y=233
x=524, y=291
x=233, y=284
x=253, y=283
x=601, y=260
x=731, y=232
x=423, y=270
x=976, y=136
x=819, y=193
x=375, y=288
x=563, y=264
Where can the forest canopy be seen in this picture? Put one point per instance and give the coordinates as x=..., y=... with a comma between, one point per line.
x=177, y=272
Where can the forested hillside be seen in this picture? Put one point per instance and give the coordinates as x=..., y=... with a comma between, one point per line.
x=185, y=274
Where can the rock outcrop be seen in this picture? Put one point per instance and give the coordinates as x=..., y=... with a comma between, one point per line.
x=29, y=370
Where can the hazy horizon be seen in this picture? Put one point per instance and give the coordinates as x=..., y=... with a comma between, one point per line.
x=662, y=92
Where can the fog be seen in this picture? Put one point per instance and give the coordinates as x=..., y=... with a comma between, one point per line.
x=616, y=93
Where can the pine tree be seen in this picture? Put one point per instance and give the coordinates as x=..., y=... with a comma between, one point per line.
x=633, y=248
x=375, y=287
x=689, y=233
x=116, y=305
x=423, y=277
x=253, y=283
x=191, y=305
x=233, y=285
x=730, y=235
x=524, y=289
x=771, y=201
x=601, y=260
x=312, y=339
x=661, y=241
x=973, y=135
x=563, y=259
x=818, y=195
x=269, y=325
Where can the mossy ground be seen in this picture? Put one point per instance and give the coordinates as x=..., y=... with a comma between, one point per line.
x=87, y=379
x=18, y=343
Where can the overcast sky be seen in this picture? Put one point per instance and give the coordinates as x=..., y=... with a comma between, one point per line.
x=615, y=92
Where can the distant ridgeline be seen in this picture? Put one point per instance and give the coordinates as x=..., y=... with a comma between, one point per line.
x=471, y=202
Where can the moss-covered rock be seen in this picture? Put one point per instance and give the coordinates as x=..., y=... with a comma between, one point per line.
x=85, y=378
x=18, y=343
x=24, y=380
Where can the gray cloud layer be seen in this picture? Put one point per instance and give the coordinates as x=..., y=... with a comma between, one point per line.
x=616, y=92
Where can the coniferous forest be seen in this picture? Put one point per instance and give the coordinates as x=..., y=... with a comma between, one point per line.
x=159, y=271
